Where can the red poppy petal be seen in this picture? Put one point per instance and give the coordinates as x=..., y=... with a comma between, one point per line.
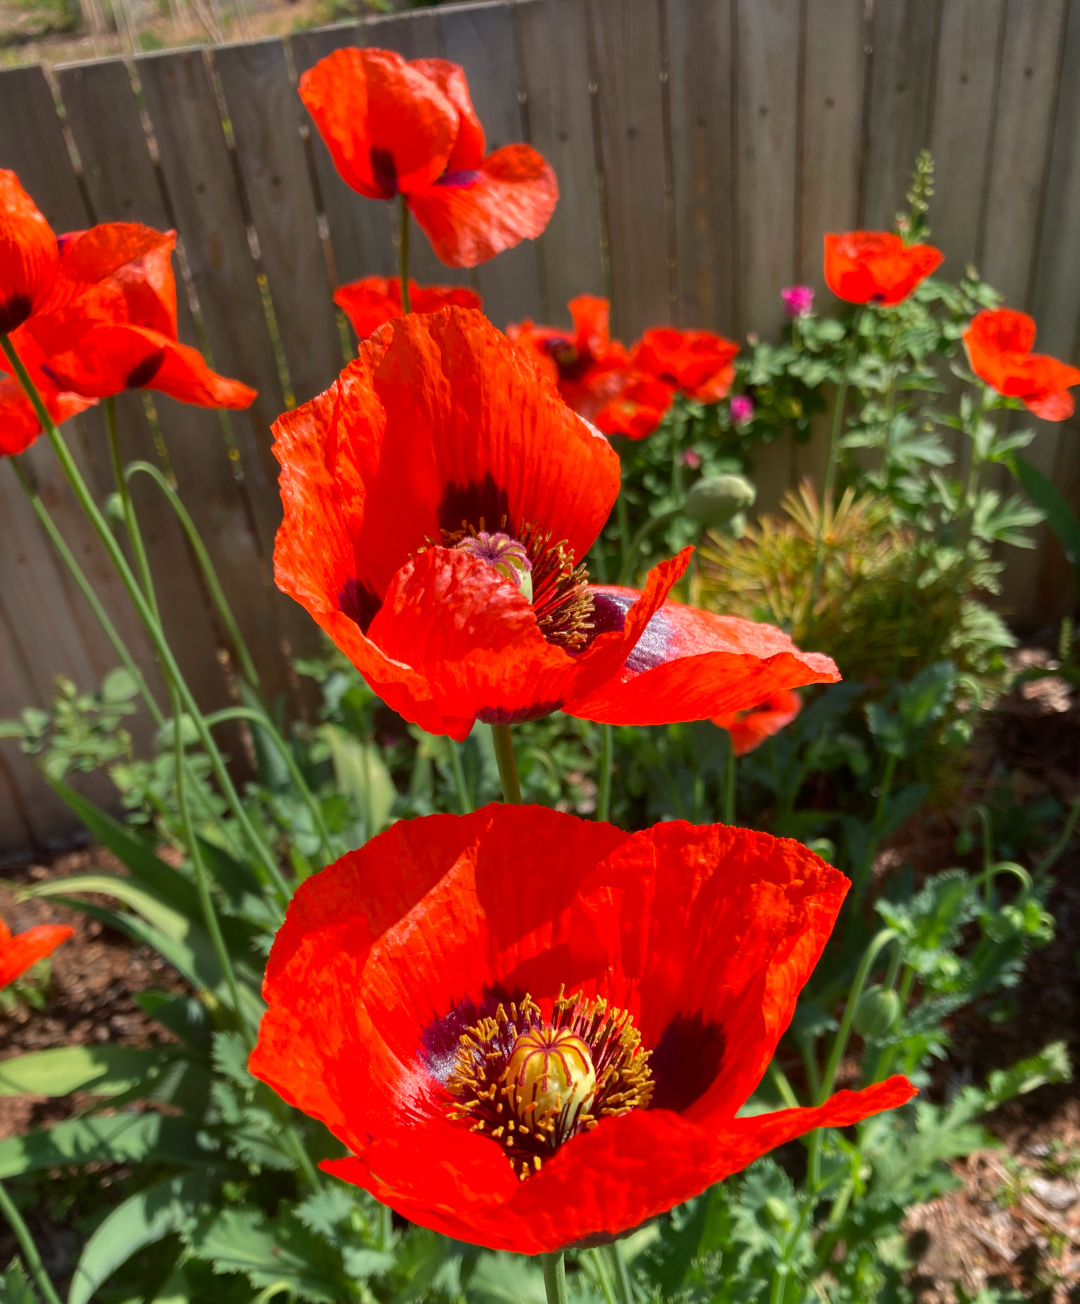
x=389, y=129
x=692, y=665
x=637, y=408
x=1055, y=406
x=112, y=358
x=876, y=266
x=470, y=144
x=88, y=257
x=438, y=420
x=149, y=288
x=604, y=1182
x=749, y=729
x=371, y=302
x=29, y=254
x=19, y=426
x=472, y=215
x=591, y=315
x=18, y=953
x=697, y=362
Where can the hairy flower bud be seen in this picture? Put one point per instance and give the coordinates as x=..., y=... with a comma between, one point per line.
x=716, y=500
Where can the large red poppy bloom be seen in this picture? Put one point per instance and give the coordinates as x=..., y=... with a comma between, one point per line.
x=400, y=128
x=530, y=1029
x=438, y=501
x=370, y=302
x=121, y=334
x=999, y=345
x=18, y=953
x=876, y=266
x=749, y=729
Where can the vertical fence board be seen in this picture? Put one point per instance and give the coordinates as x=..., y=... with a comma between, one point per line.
x=359, y=228
x=481, y=38
x=701, y=70
x=626, y=36
x=553, y=40
x=963, y=123
x=904, y=41
x=832, y=117
x=200, y=184
x=122, y=186
x=264, y=109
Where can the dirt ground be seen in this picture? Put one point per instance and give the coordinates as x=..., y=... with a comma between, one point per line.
x=1014, y=1218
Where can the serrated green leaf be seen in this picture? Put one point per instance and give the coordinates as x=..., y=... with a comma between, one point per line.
x=244, y=1240
x=115, y=1138
x=102, y=1070
x=14, y=1286
x=506, y=1279
x=323, y=1211
x=143, y=1219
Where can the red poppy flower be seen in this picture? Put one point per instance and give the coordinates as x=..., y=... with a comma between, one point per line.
x=588, y=366
x=370, y=302
x=876, y=266
x=399, y=128
x=121, y=334
x=530, y=1029
x=18, y=953
x=637, y=409
x=438, y=499
x=19, y=426
x=999, y=345
x=40, y=273
x=697, y=363
x=749, y=729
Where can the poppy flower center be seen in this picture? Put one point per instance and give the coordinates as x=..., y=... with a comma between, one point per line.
x=531, y=1083
x=543, y=571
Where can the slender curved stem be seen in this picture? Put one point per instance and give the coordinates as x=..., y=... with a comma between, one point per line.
x=461, y=787
x=504, y=755
x=1047, y=863
x=626, y=571
x=729, y=785
x=783, y=1086
x=217, y=596
x=87, y=590
x=877, y=944
x=29, y=1249
x=555, y=1278
x=131, y=522
x=596, y=1262
x=624, y=1287
x=153, y=626
x=270, y=729
x=607, y=760
x=403, y=254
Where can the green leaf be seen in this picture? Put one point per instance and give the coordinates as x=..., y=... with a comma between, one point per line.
x=1059, y=515
x=143, y=1219
x=506, y=1279
x=14, y=1287
x=1051, y=1064
x=244, y=1240
x=119, y=686
x=103, y=1070
x=113, y=1139
x=361, y=772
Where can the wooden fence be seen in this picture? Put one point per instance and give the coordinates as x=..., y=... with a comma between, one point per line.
x=702, y=147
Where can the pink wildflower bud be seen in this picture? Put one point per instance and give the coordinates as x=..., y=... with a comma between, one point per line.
x=798, y=300
x=742, y=409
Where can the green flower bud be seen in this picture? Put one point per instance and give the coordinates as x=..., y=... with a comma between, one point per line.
x=877, y=1012
x=777, y=1211
x=716, y=500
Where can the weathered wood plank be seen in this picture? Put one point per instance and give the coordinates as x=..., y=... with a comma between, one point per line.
x=701, y=89
x=481, y=39
x=553, y=42
x=626, y=50
x=834, y=82
x=264, y=109
x=969, y=49
x=904, y=42
x=199, y=182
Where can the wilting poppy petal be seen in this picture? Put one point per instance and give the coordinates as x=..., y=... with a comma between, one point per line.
x=111, y=358
x=29, y=255
x=876, y=266
x=693, y=665
x=749, y=729
x=698, y=363
x=700, y=938
x=388, y=127
x=999, y=344
x=474, y=214
x=468, y=151
x=19, y=426
x=18, y=953
x=371, y=302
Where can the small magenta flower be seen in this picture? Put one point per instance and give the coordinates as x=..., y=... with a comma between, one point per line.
x=798, y=300
x=742, y=410
x=692, y=459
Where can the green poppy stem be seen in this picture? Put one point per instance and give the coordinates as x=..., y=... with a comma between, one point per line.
x=461, y=787
x=607, y=760
x=30, y=1250
x=729, y=785
x=403, y=254
x=504, y=755
x=146, y=615
x=555, y=1278
x=624, y=1287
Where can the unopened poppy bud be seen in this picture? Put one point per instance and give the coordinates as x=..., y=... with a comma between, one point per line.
x=716, y=500
x=877, y=1012
x=550, y=1080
